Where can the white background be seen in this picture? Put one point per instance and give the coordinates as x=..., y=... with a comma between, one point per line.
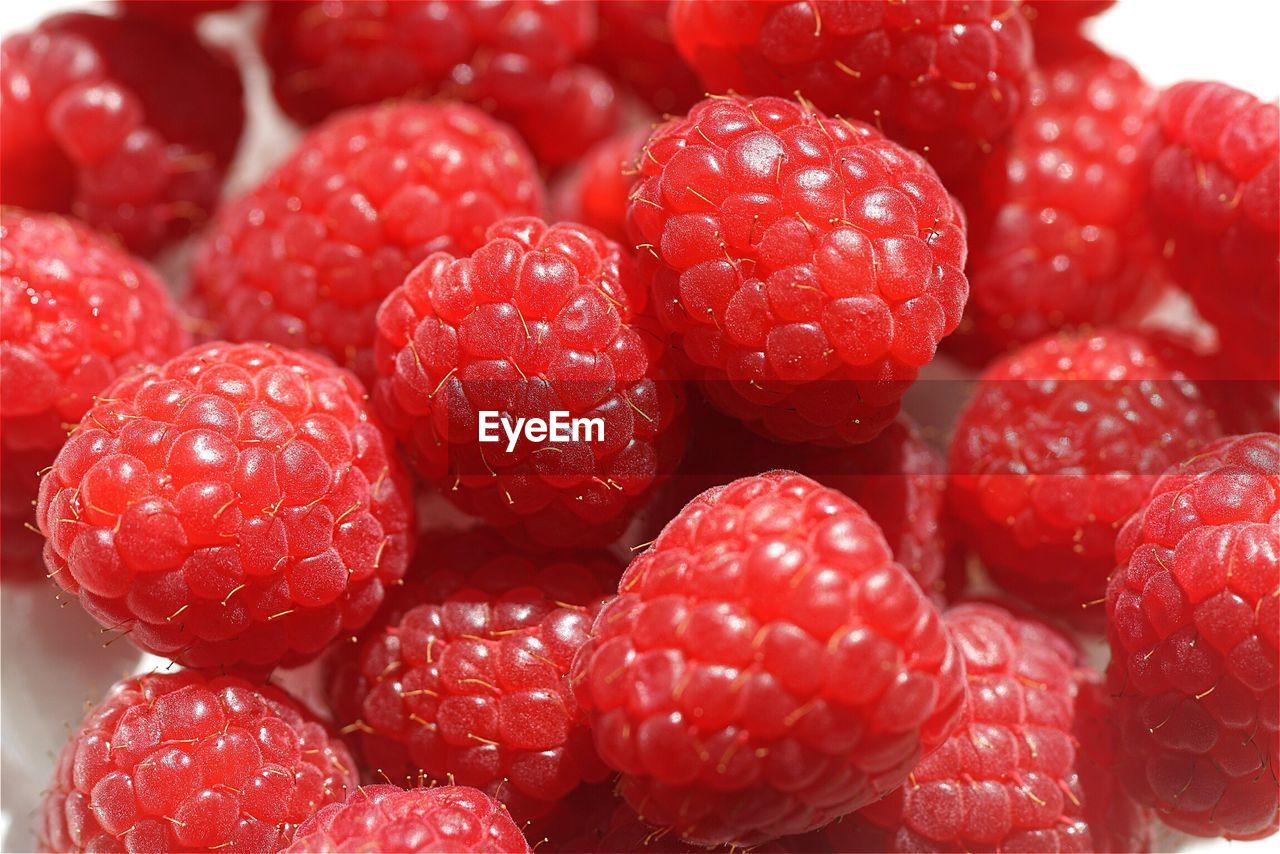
x=52, y=659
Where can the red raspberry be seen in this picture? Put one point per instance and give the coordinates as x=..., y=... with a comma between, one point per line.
x=542, y=318
x=1060, y=239
x=1009, y=779
x=182, y=762
x=636, y=48
x=597, y=191
x=766, y=666
x=75, y=312
x=806, y=267
x=943, y=78
x=1058, y=445
x=1193, y=627
x=465, y=678
x=519, y=59
x=456, y=819
x=174, y=13
x=1061, y=16
x=234, y=506
x=126, y=124
x=306, y=258
x=1214, y=197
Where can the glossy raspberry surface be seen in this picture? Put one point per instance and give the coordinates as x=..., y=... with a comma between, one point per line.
x=541, y=318
x=185, y=762
x=1009, y=778
x=519, y=59
x=126, y=124
x=465, y=679
x=306, y=258
x=1192, y=625
x=636, y=48
x=1214, y=195
x=1059, y=444
x=235, y=506
x=597, y=191
x=457, y=819
x=75, y=312
x=766, y=666
x=806, y=267
x=1059, y=237
x=943, y=78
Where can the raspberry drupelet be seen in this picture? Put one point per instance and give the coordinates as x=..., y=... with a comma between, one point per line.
x=1214, y=196
x=77, y=311
x=805, y=267
x=306, y=258
x=1192, y=624
x=126, y=124
x=457, y=819
x=521, y=60
x=187, y=762
x=237, y=506
x=540, y=319
x=946, y=79
x=766, y=666
x=1058, y=445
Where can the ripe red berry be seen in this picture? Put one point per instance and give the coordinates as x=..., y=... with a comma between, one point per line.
x=805, y=267
x=1214, y=195
x=766, y=666
x=457, y=819
x=540, y=319
x=597, y=191
x=128, y=125
x=237, y=505
x=174, y=13
x=518, y=59
x=946, y=79
x=75, y=312
x=465, y=678
x=306, y=258
x=1192, y=623
x=636, y=48
x=1057, y=24
x=183, y=762
x=1059, y=444
x=1010, y=778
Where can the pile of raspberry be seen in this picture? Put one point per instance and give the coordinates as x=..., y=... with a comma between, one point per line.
x=705, y=425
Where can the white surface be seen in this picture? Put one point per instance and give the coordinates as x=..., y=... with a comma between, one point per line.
x=52, y=660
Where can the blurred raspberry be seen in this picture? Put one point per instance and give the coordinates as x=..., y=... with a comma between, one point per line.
x=597, y=190
x=518, y=59
x=1193, y=628
x=946, y=79
x=236, y=506
x=805, y=267
x=1059, y=444
x=540, y=319
x=306, y=258
x=77, y=312
x=174, y=13
x=636, y=48
x=186, y=762
x=129, y=125
x=766, y=666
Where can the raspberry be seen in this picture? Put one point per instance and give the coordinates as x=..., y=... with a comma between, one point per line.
x=1010, y=777
x=1059, y=444
x=805, y=267
x=1192, y=624
x=182, y=761
x=174, y=13
x=519, y=60
x=77, y=312
x=126, y=124
x=945, y=79
x=465, y=678
x=234, y=506
x=636, y=48
x=457, y=819
x=766, y=666
x=306, y=258
x=1063, y=238
x=542, y=318
x=596, y=192
x=1214, y=196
